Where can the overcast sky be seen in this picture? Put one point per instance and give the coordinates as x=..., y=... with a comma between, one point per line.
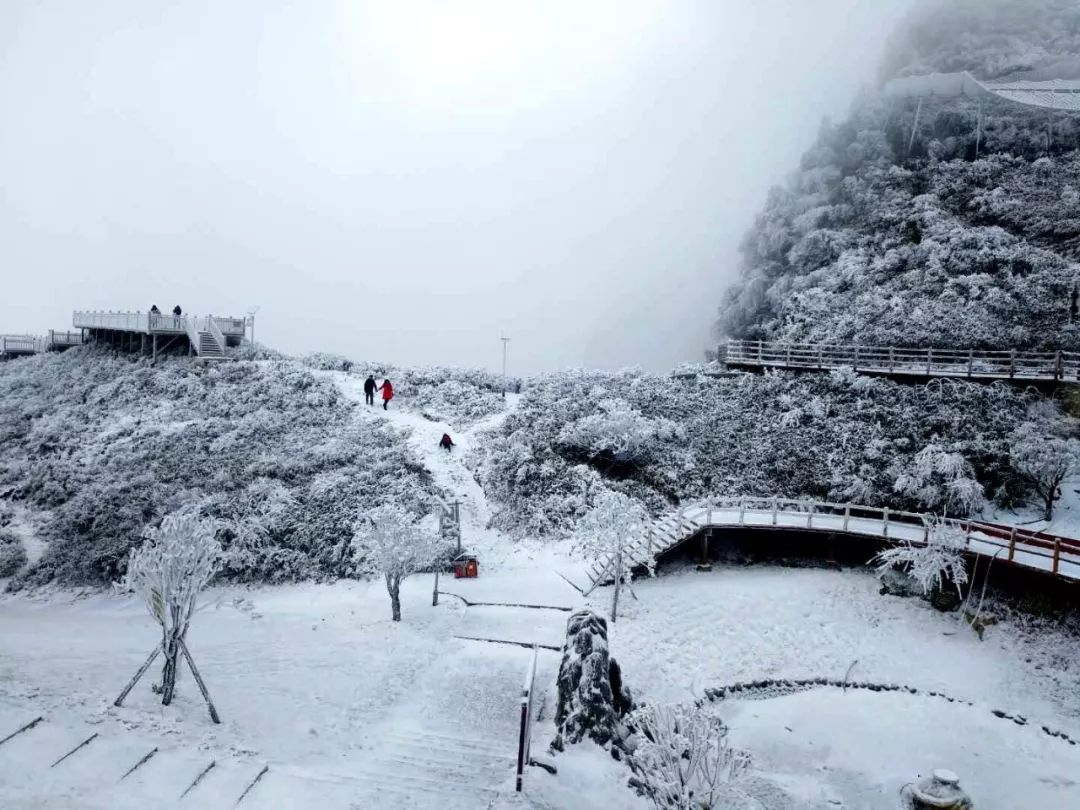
x=401, y=180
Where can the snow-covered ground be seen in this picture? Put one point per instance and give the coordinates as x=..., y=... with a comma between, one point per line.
x=351, y=710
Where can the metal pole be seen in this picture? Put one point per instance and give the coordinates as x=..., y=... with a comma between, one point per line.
x=504, y=340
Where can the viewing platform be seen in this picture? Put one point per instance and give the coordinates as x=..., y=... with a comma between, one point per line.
x=210, y=337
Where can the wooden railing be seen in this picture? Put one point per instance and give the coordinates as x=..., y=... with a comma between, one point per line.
x=1053, y=554
x=21, y=344
x=156, y=322
x=929, y=362
x=525, y=725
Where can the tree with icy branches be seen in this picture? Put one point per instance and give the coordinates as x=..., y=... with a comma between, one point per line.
x=935, y=564
x=606, y=532
x=393, y=544
x=1044, y=457
x=168, y=571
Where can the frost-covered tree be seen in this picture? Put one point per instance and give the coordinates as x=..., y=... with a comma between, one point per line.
x=394, y=545
x=933, y=565
x=683, y=760
x=1045, y=458
x=939, y=479
x=168, y=571
x=604, y=534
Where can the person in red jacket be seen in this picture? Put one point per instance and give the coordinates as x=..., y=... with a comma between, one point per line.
x=446, y=443
x=387, y=389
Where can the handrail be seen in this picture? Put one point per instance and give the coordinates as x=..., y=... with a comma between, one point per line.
x=812, y=515
x=525, y=726
x=932, y=362
x=215, y=330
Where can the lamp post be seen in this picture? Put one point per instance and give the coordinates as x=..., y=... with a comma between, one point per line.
x=504, y=340
x=251, y=321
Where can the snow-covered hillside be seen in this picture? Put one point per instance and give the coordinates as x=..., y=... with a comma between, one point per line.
x=937, y=246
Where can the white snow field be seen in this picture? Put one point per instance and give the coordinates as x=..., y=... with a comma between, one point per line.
x=349, y=710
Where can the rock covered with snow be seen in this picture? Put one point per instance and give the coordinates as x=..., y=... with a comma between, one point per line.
x=588, y=706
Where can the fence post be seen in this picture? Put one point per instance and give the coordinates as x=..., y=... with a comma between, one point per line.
x=856, y=360
x=892, y=362
x=929, y=360
x=820, y=362
x=760, y=361
x=1012, y=544
x=971, y=362
x=1057, y=556
x=742, y=511
x=774, y=506
x=885, y=531
x=847, y=514
x=810, y=515
x=1059, y=373
x=926, y=533
x=787, y=356
x=1012, y=363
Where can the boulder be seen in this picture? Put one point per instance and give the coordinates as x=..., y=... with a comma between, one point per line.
x=899, y=583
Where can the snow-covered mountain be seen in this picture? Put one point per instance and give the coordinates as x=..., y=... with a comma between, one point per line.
x=939, y=244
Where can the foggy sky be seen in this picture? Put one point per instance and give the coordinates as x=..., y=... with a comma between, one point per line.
x=400, y=180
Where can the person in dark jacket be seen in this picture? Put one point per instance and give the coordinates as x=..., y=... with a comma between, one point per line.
x=176, y=313
x=369, y=389
x=446, y=443
x=387, y=389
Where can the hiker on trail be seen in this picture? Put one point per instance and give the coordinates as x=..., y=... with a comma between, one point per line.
x=369, y=389
x=446, y=443
x=387, y=389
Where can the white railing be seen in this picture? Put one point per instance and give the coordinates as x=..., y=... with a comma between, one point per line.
x=525, y=727
x=21, y=344
x=1054, y=554
x=155, y=322
x=929, y=362
x=64, y=339
x=215, y=331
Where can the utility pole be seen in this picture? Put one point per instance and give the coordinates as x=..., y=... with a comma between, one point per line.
x=504, y=340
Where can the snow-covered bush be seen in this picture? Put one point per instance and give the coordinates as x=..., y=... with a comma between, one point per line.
x=1044, y=454
x=939, y=479
x=110, y=443
x=837, y=437
x=682, y=758
x=168, y=571
x=394, y=545
x=12, y=553
x=935, y=565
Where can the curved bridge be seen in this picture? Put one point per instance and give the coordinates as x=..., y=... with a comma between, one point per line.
x=1049, y=554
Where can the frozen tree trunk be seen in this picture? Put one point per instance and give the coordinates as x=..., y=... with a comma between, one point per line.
x=393, y=586
x=171, y=648
x=618, y=584
x=1048, y=511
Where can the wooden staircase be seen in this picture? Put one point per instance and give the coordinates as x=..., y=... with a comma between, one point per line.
x=665, y=533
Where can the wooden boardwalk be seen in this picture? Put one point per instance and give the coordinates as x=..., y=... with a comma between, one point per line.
x=209, y=337
x=1049, y=554
x=972, y=364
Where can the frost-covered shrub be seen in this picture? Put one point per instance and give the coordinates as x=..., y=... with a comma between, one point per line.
x=938, y=478
x=935, y=565
x=682, y=759
x=837, y=437
x=109, y=444
x=12, y=553
x=1044, y=453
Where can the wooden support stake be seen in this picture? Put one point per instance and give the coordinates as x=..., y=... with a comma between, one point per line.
x=1012, y=544
x=774, y=509
x=885, y=532
x=139, y=674
x=248, y=789
x=27, y=727
x=1057, y=556
x=198, y=680
x=435, y=590
x=78, y=747
x=138, y=765
x=199, y=778
x=847, y=515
